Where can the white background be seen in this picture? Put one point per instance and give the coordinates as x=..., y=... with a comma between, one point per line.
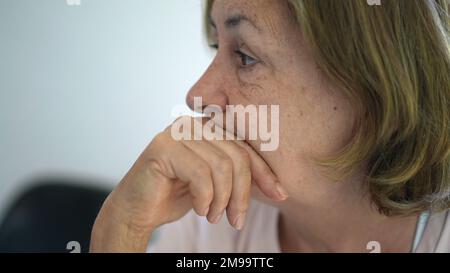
x=83, y=89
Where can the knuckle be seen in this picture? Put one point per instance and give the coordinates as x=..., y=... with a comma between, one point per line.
x=155, y=168
x=223, y=165
x=201, y=171
x=153, y=165
x=243, y=157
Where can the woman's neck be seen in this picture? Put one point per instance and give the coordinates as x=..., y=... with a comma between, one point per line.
x=343, y=228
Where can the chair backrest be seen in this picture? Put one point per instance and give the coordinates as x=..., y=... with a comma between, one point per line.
x=53, y=216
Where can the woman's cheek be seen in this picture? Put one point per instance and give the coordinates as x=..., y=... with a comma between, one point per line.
x=326, y=132
x=255, y=85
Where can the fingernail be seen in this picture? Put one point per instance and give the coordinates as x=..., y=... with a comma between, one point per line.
x=239, y=222
x=217, y=218
x=281, y=191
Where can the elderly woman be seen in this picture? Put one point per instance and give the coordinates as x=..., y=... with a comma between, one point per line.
x=363, y=161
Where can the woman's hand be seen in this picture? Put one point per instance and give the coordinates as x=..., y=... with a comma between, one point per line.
x=171, y=177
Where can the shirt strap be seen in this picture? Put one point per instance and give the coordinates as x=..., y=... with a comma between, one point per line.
x=420, y=228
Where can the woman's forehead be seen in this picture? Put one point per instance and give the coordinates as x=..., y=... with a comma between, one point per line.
x=269, y=15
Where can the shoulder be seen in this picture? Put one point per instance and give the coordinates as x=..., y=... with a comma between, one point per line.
x=436, y=237
x=193, y=233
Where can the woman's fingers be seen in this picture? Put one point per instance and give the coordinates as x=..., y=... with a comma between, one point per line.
x=243, y=158
x=185, y=165
x=222, y=172
x=261, y=173
x=233, y=161
x=263, y=176
x=241, y=183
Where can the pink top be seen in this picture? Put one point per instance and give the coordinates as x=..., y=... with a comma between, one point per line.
x=194, y=234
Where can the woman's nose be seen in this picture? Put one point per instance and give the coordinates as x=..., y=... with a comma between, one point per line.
x=210, y=88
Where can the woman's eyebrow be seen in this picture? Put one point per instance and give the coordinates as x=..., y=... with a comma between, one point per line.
x=235, y=21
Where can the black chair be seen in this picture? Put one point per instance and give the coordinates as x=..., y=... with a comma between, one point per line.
x=52, y=216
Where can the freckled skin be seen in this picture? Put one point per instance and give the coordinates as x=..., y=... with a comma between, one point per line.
x=310, y=125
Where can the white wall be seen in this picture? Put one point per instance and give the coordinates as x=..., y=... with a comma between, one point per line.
x=83, y=89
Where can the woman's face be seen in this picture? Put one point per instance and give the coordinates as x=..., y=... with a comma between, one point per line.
x=262, y=59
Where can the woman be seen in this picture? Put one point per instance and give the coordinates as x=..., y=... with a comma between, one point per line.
x=364, y=151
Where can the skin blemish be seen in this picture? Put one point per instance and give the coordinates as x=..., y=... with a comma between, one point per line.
x=335, y=108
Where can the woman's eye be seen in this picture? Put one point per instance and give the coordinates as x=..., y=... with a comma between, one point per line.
x=245, y=59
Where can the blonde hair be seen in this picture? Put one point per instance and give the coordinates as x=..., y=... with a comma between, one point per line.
x=393, y=63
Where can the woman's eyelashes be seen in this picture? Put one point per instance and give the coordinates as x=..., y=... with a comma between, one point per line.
x=245, y=60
